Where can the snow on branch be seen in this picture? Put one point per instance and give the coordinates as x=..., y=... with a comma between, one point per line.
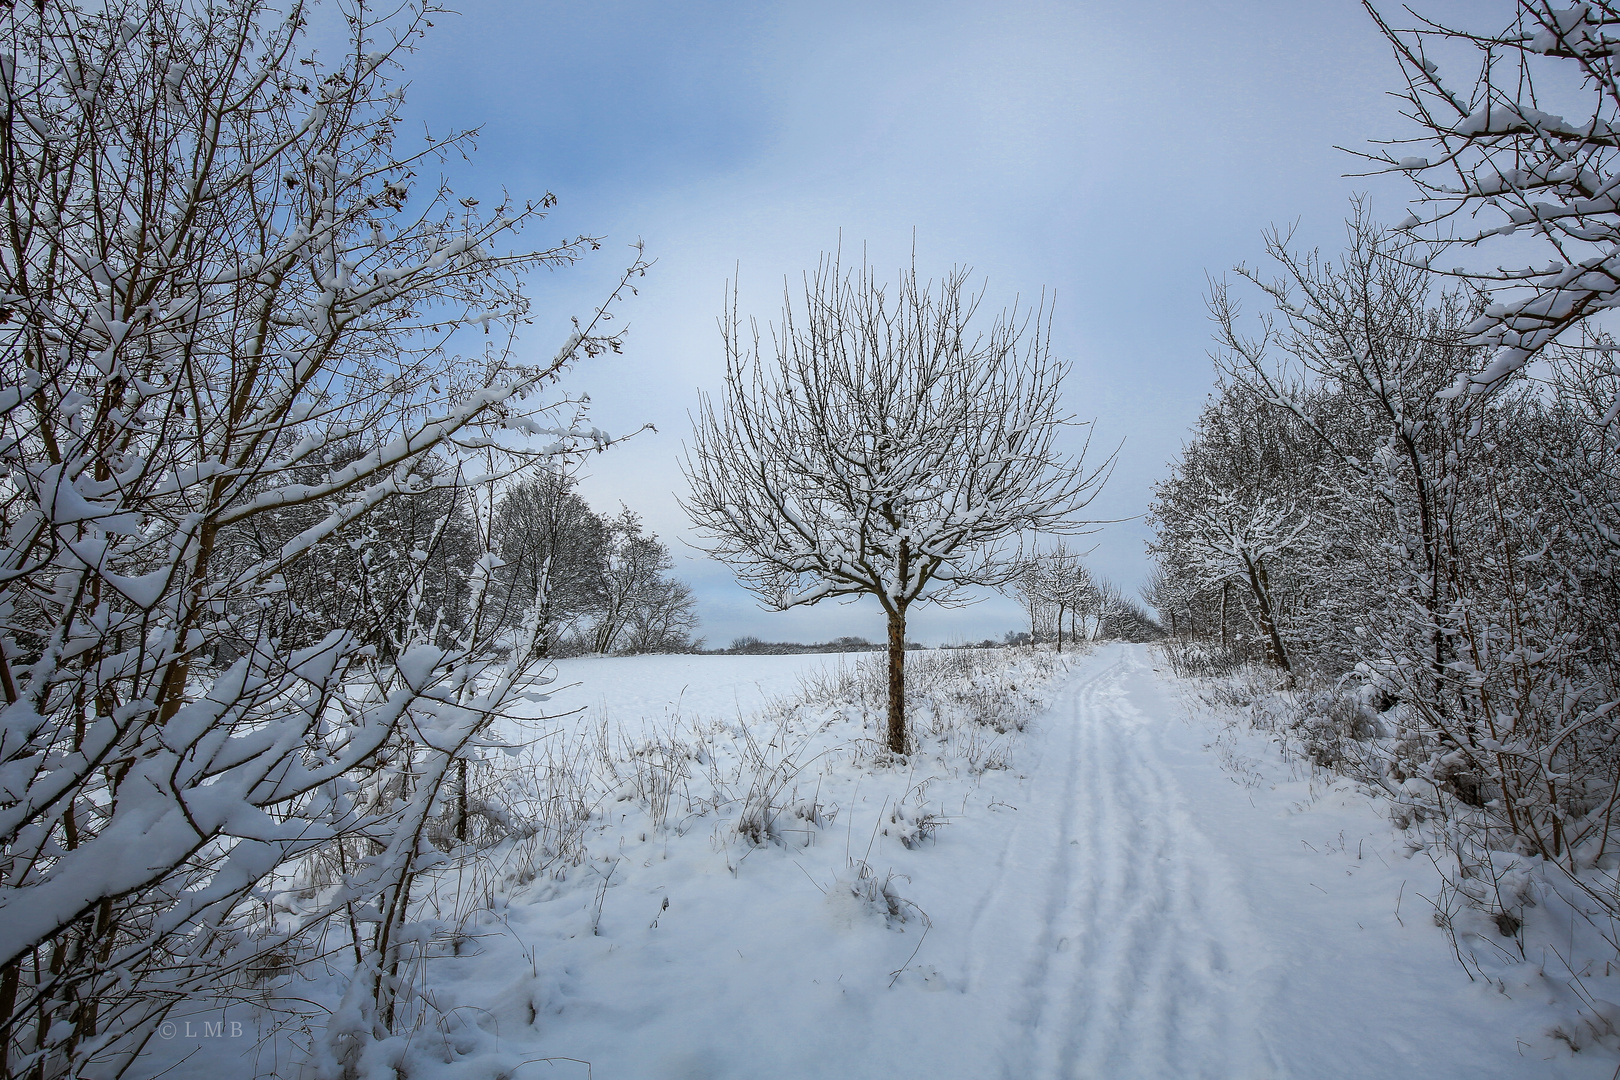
x=1530, y=149
x=888, y=443
x=248, y=405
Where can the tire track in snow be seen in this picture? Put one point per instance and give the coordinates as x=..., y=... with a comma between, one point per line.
x=1137, y=967
x=1047, y=828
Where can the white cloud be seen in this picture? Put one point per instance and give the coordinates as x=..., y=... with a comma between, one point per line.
x=1111, y=153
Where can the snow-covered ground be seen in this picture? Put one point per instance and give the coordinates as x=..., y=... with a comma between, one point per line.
x=645, y=690
x=1142, y=893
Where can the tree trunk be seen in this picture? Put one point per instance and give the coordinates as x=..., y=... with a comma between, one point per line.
x=10, y=975
x=1060, y=628
x=461, y=801
x=1260, y=586
x=897, y=680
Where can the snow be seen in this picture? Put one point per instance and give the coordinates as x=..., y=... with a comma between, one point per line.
x=1144, y=892
x=648, y=687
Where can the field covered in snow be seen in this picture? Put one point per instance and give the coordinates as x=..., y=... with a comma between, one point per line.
x=747, y=887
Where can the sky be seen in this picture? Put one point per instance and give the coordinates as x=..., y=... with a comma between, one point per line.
x=1117, y=156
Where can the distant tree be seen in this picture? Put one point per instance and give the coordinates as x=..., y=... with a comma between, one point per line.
x=554, y=548
x=1028, y=586
x=1121, y=617
x=1110, y=603
x=1165, y=592
x=888, y=448
x=633, y=588
x=1071, y=587
x=1052, y=584
x=663, y=618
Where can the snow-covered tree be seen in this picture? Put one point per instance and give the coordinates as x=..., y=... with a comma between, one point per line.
x=1236, y=514
x=633, y=588
x=553, y=547
x=885, y=446
x=416, y=548
x=1055, y=583
x=1373, y=333
x=1524, y=144
x=231, y=341
x=1224, y=537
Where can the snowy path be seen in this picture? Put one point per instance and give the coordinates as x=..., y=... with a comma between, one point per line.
x=1142, y=896
x=1167, y=907
x=1130, y=970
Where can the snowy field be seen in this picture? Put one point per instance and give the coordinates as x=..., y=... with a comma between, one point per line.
x=646, y=689
x=1141, y=893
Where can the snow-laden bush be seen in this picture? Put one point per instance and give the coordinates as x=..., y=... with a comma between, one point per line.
x=251, y=434
x=863, y=885
x=1528, y=923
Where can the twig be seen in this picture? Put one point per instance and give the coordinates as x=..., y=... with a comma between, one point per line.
x=928, y=924
x=601, y=898
x=553, y=1060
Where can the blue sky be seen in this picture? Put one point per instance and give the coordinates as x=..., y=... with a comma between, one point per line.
x=1115, y=154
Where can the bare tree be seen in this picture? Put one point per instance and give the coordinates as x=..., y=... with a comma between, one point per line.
x=631, y=579
x=663, y=618
x=553, y=548
x=1056, y=583
x=1028, y=585
x=886, y=448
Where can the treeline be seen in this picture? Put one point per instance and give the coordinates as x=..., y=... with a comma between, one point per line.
x=1345, y=506
x=1062, y=598
x=753, y=646
x=594, y=583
